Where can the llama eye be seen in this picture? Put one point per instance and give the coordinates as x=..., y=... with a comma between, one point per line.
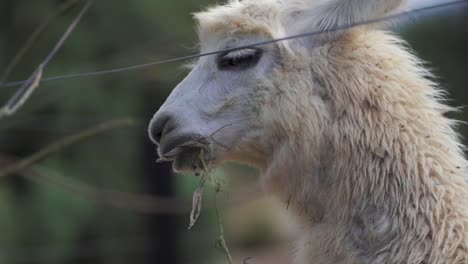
x=239, y=59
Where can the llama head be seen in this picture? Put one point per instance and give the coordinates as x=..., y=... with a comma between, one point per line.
x=251, y=104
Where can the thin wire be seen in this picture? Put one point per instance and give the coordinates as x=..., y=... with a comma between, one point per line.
x=262, y=43
x=34, y=37
x=30, y=85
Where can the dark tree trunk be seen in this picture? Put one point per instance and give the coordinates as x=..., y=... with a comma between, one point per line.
x=162, y=229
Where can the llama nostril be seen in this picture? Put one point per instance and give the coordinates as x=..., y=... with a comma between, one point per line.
x=157, y=137
x=158, y=127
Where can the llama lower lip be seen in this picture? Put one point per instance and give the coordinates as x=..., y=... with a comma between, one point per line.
x=185, y=154
x=187, y=159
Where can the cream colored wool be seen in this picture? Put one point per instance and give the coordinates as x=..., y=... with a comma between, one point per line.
x=351, y=128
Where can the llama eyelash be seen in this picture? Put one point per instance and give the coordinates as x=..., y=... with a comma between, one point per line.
x=240, y=54
x=239, y=59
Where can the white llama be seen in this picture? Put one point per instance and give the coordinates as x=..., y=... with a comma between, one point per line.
x=349, y=126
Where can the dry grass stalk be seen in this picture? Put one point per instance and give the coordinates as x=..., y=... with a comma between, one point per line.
x=65, y=143
x=34, y=37
x=27, y=89
x=197, y=203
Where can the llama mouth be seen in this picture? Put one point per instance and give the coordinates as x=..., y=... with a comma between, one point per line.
x=190, y=156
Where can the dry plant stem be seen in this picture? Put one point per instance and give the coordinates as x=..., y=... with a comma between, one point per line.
x=221, y=239
x=66, y=143
x=137, y=203
x=198, y=194
x=397, y=16
x=197, y=199
x=27, y=89
x=33, y=38
x=197, y=202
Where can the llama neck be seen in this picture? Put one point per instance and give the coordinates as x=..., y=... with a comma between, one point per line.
x=390, y=138
x=386, y=139
x=390, y=164
x=378, y=178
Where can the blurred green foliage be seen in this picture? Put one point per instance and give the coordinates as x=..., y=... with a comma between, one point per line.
x=40, y=223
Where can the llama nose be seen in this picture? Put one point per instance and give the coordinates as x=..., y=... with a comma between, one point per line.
x=159, y=126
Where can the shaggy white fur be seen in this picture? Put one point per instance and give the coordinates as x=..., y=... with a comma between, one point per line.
x=349, y=127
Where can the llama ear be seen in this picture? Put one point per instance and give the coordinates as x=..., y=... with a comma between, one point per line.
x=306, y=15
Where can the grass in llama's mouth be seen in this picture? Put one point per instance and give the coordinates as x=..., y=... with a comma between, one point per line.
x=191, y=156
x=195, y=156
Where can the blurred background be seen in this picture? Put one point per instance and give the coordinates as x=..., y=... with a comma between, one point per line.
x=105, y=200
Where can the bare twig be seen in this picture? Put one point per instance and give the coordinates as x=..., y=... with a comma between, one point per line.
x=33, y=38
x=133, y=202
x=25, y=91
x=262, y=43
x=221, y=239
x=198, y=194
x=138, y=203
x=65, y=143
x=247, y=259
x=197, y=201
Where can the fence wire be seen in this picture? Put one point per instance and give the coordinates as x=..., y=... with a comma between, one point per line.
x=257, y=44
